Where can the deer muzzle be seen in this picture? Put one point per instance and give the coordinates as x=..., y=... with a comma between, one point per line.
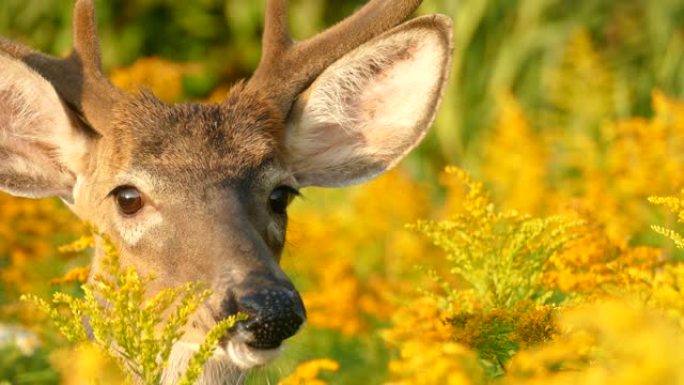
x=275, y=314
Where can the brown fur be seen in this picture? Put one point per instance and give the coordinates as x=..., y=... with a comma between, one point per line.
x=166, y=139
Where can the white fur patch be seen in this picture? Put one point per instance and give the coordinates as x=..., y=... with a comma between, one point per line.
x=227, y=366
x=246, y=358
x=78, y=191
x=132, y=230
x=218, y=370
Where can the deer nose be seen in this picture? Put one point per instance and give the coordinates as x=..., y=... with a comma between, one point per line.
x=274, y=315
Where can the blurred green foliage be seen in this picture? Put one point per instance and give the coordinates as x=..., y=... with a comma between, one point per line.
x=500, y=45
x=19, y=368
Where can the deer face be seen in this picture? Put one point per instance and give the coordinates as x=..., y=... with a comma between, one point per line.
x=198, y=192
x=195, y=192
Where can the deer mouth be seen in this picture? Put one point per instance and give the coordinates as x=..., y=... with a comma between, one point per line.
x=232, y=358
x=246, y=357
x=235, y=353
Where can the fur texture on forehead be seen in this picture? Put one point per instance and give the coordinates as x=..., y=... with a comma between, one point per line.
x=227, y=138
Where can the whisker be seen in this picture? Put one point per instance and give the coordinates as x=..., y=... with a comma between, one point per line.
x=241, y=378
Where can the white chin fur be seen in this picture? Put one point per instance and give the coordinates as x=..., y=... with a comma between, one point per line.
x=241, y=355
x=229, y=365
x=245, y=357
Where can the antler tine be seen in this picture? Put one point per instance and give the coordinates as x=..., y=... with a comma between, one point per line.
x=287, y=68
x=97, y=94
x=86, y=43
x=276, y=36
x=78, y=79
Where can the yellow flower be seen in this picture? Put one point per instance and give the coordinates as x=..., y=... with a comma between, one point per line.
x=608, y=342
x=335, y=304
x=86, y=364
x=420, y=318
x=581, y=88
x=307, y=372
x=78, y=274
x=29, y=229
x=516, y=160
x=500, y=254
x=595, y=264
x=163, y=77
x=349, y=268
x=437, y=363
x=427, y=354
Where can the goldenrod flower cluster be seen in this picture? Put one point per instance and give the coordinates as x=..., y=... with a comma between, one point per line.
x=307, y=372
x=511, y=319
x=127, y=324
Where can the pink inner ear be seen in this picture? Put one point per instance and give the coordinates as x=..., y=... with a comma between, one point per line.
x=22, y=126
x=37, y=138
x=397, y=103
x=366, y=111
x=29, y=165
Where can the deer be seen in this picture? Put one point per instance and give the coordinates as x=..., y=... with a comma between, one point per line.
x=199, y=192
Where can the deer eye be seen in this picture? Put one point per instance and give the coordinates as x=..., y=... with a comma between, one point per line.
x=129, y=199
x=281, y=197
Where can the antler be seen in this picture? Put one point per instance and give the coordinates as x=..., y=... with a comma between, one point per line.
x=287, y=68
x=78, y=78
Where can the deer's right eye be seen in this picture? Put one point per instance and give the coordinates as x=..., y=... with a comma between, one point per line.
x=129, y=199
x=281, y=197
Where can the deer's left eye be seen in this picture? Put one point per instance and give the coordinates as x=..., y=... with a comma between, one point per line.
x=129, y=199
x=280, y=198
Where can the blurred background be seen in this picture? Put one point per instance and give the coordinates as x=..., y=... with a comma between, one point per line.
x=568, y=63
x=551, y=103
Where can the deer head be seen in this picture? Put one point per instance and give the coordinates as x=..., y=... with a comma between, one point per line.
x=198, y=192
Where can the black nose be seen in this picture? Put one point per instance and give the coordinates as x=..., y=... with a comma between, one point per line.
x=274, y=315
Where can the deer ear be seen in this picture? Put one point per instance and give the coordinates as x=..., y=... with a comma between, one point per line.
x=41, y=145
x=371, y=107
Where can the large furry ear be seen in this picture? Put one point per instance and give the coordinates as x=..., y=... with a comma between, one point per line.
x=42, y=147
x=371, y=107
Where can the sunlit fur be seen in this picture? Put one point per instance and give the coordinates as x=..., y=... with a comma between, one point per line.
x=35, y=128
x=370, y=108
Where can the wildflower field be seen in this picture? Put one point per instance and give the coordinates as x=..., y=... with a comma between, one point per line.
x=535, y=237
